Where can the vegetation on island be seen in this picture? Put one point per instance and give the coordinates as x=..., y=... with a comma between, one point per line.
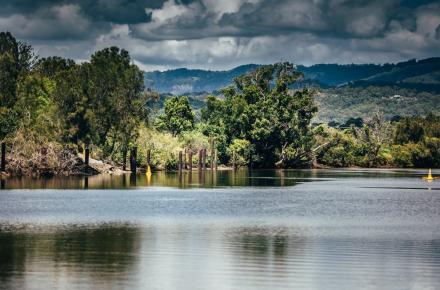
x=52, y=108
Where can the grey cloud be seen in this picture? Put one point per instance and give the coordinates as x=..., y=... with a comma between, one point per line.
x=59, y=22
x=332, y=18
x=115, y=11
x=221, y=34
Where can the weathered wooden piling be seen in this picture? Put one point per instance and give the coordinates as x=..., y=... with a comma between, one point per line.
x=190, y=161
x=200, y=159
x=3, y=165
x=212, y=154
x=204, y=159
x=180, y=161
x=185, y=164
x=133, y=157
x=215, y=159
x=234, y=165
x=124, y=160
x=87, y=156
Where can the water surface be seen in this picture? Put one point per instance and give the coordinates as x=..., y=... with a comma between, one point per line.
x=306, y=229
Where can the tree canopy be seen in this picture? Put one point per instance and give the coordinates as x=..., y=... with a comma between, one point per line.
x=177, y=116
x=261, y=108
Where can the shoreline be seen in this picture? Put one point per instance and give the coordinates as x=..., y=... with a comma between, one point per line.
x=108, y=169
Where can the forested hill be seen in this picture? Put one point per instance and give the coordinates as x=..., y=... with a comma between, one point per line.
x=422, y=75
x=182, y=80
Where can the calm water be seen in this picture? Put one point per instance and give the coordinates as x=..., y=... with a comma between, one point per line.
x=309, y=229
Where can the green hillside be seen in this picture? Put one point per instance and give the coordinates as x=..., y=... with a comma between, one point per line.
x=339, y=104
x=405, y=89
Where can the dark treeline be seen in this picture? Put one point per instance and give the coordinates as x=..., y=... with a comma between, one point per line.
x=52, y=108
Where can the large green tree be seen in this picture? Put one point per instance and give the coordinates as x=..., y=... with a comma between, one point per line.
x=262, y=109
x=103, y=101
x=177, y=116
x=16, y=60
x=51, y=66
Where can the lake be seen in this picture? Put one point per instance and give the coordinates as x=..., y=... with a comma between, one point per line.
x=269, y=229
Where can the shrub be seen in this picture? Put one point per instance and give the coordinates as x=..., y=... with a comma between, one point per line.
x=164, y=148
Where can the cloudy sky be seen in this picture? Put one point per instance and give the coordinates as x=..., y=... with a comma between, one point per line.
x=221, y=34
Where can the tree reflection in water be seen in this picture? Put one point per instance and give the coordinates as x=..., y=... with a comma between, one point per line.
x=185, y=179
x=99, y=255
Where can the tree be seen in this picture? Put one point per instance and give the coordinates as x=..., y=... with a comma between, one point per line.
x=16, y=60
x=177, y=117
x=239, y=150
x=356, y=122
x=50, y=66
x=275, y=120
x=75, y=105
x=409, y=130
x=213, y=125
x=103, y=102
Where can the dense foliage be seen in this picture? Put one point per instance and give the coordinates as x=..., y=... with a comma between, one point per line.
x=410, y=142
x=261, y=109
x=177, y=117
x=50, y=108
x=99, y=103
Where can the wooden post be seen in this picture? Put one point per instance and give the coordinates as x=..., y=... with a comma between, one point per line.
x=87, y=156
x=180, y=161
x=200, y=159
x=215, y=159
x=148, y=156
x=3, y=165
x=212, y=154
x=185, y=164
x=204, y=159
x=234, y=166
x=133, y=157
x=190, y=161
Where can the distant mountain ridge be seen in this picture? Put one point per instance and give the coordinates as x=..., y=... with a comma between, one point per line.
x=182, y=80
x=418, y=74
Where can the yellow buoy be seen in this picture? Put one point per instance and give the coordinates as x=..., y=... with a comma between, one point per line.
x=429, y=177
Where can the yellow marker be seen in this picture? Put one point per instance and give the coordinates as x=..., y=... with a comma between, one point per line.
x=429, y=177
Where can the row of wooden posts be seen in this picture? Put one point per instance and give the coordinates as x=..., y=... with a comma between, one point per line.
x=185, y=160
x=184, y=163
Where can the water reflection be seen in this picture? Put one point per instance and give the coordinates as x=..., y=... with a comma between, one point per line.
x=185, y=256
x=183, y=179
x=67, y=258
x=205, y=179
x=350, y=230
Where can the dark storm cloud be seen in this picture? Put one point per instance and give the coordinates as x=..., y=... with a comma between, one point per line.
x=217, y=33
x=332, y=18
x=117, y=11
